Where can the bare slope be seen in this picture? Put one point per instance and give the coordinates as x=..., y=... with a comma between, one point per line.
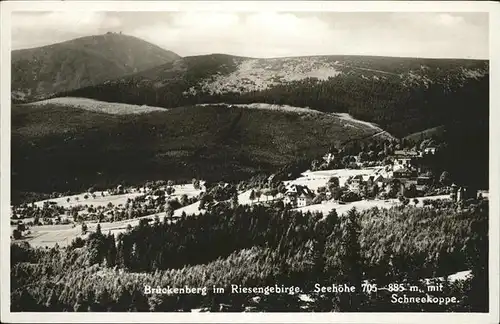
x=42, y=71
x=97, y=106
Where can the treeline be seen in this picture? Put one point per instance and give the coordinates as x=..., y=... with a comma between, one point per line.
x=77, y=149
x=258, y=246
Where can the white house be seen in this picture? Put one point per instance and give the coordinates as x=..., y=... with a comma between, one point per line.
x=430, y=150
x=298, y=196
x=304, y=199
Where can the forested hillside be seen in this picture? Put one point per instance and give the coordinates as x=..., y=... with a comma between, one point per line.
x=258, y=246
x=467, y=149
x=74, y=149
x=402, y=95
x=43, y=71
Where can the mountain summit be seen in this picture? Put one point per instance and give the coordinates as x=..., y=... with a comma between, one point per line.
x=42, y=71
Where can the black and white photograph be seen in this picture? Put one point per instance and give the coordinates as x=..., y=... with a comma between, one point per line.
x=224, y=159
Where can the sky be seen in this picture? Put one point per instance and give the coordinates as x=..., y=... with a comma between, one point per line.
x=271, y=34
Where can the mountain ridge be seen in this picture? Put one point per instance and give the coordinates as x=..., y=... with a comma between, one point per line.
x=42, y=71
x=341, y=55
x=383, y=90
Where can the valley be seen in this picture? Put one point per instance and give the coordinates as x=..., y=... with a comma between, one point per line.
x=132, y=166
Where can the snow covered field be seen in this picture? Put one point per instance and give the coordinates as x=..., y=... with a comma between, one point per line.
x=189, y=210
x=186, y=189
x=49, y=235
x=363, y=205
x=244, y=198
x=116, y=200
x=97, y=201
x=316, y=179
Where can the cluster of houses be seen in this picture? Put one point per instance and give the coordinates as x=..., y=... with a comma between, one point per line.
x=407, y=168
x=379, y=178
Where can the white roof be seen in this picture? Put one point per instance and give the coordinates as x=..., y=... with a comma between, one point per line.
x=399, y=168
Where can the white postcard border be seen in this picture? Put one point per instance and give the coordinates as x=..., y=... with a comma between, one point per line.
x=346, y=6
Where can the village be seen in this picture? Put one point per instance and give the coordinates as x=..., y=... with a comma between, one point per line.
x=337, y=180
x=404, y=176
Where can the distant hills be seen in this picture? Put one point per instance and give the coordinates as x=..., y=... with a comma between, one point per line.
x=42, y=71
x=403, y=95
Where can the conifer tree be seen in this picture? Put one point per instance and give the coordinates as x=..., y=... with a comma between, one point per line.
x=52, y=303
x=111, y=253
x=103, y=301
x=80, y=304
x=351, y=261
x=84, y=228
x=477, y=261
x=252, y=196
x=234, y=201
